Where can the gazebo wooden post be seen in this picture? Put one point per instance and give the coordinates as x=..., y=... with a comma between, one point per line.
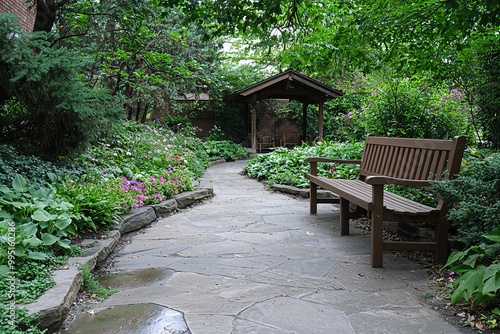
x=320, y=120
x=304, y=120
x=246, y=126
x=253, y=110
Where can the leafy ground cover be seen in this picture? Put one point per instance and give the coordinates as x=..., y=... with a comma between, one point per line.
x=468, y=286
x=45, y=207
x=284, y=166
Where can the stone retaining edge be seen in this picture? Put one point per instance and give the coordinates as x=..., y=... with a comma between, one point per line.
x=301, y=192
x=54, y=305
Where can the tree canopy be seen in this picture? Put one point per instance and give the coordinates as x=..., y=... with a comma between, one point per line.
x=342, y=35
x=148, y=53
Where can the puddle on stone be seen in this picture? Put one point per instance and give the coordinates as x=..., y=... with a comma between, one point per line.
x=133, y=279
x=130, y=319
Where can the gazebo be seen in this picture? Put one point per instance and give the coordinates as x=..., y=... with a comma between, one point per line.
x=289, y=85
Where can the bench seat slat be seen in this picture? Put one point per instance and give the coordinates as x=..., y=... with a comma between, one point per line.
x=359, y=193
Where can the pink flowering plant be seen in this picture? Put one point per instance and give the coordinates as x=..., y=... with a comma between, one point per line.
x=152, y=189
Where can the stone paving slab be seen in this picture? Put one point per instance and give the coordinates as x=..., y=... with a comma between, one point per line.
x=294, y=315
x=254, y=261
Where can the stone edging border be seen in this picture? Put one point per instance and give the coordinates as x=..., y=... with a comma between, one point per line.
x=301, y=192
x=54, y=305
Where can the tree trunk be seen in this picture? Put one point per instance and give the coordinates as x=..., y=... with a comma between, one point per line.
x=145, y=113
x=46, y=11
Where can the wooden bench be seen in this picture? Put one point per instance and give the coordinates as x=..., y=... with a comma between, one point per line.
x=397, y=161
x=266, y=142
x=291, y=139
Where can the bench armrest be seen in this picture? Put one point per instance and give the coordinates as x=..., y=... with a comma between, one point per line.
x=313, y=162
x=374, y=179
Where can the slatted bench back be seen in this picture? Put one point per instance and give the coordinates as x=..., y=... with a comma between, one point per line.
x=409, y=158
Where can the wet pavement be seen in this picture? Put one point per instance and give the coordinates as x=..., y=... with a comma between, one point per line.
x=136, y=318
x=254, y=261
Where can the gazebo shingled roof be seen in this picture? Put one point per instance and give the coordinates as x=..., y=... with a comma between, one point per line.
x=289, y=85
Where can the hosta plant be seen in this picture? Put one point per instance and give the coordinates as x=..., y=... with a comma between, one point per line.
x=96, y=205
x=226, y=149
x=478, y=268
x=32, y=221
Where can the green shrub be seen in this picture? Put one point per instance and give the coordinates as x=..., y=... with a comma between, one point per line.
x=95, y=205
x=27, y=281
x=23, y=324
x=33, y=169
x=477, y=69
x=404, y=107
x=218, y=146
x=216, y=134
x=179, y=124
x=422, y=195
x=33, y=278
x=343, y=121
x=474, y=197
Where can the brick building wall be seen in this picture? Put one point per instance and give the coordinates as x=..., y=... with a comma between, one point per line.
x=25, y=16
x=205, y=121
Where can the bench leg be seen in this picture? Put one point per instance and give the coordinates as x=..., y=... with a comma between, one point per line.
x=313, y=198
x=377, y=242
x=377, y=224
x=442, y=243
x=344, y=216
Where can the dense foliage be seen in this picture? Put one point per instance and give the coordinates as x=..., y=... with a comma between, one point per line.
x=40, y=217
x=403, y=107
x=476, y=72
x=142, y=53
x=49, y=110
x=386, y=104
x=455, y=44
